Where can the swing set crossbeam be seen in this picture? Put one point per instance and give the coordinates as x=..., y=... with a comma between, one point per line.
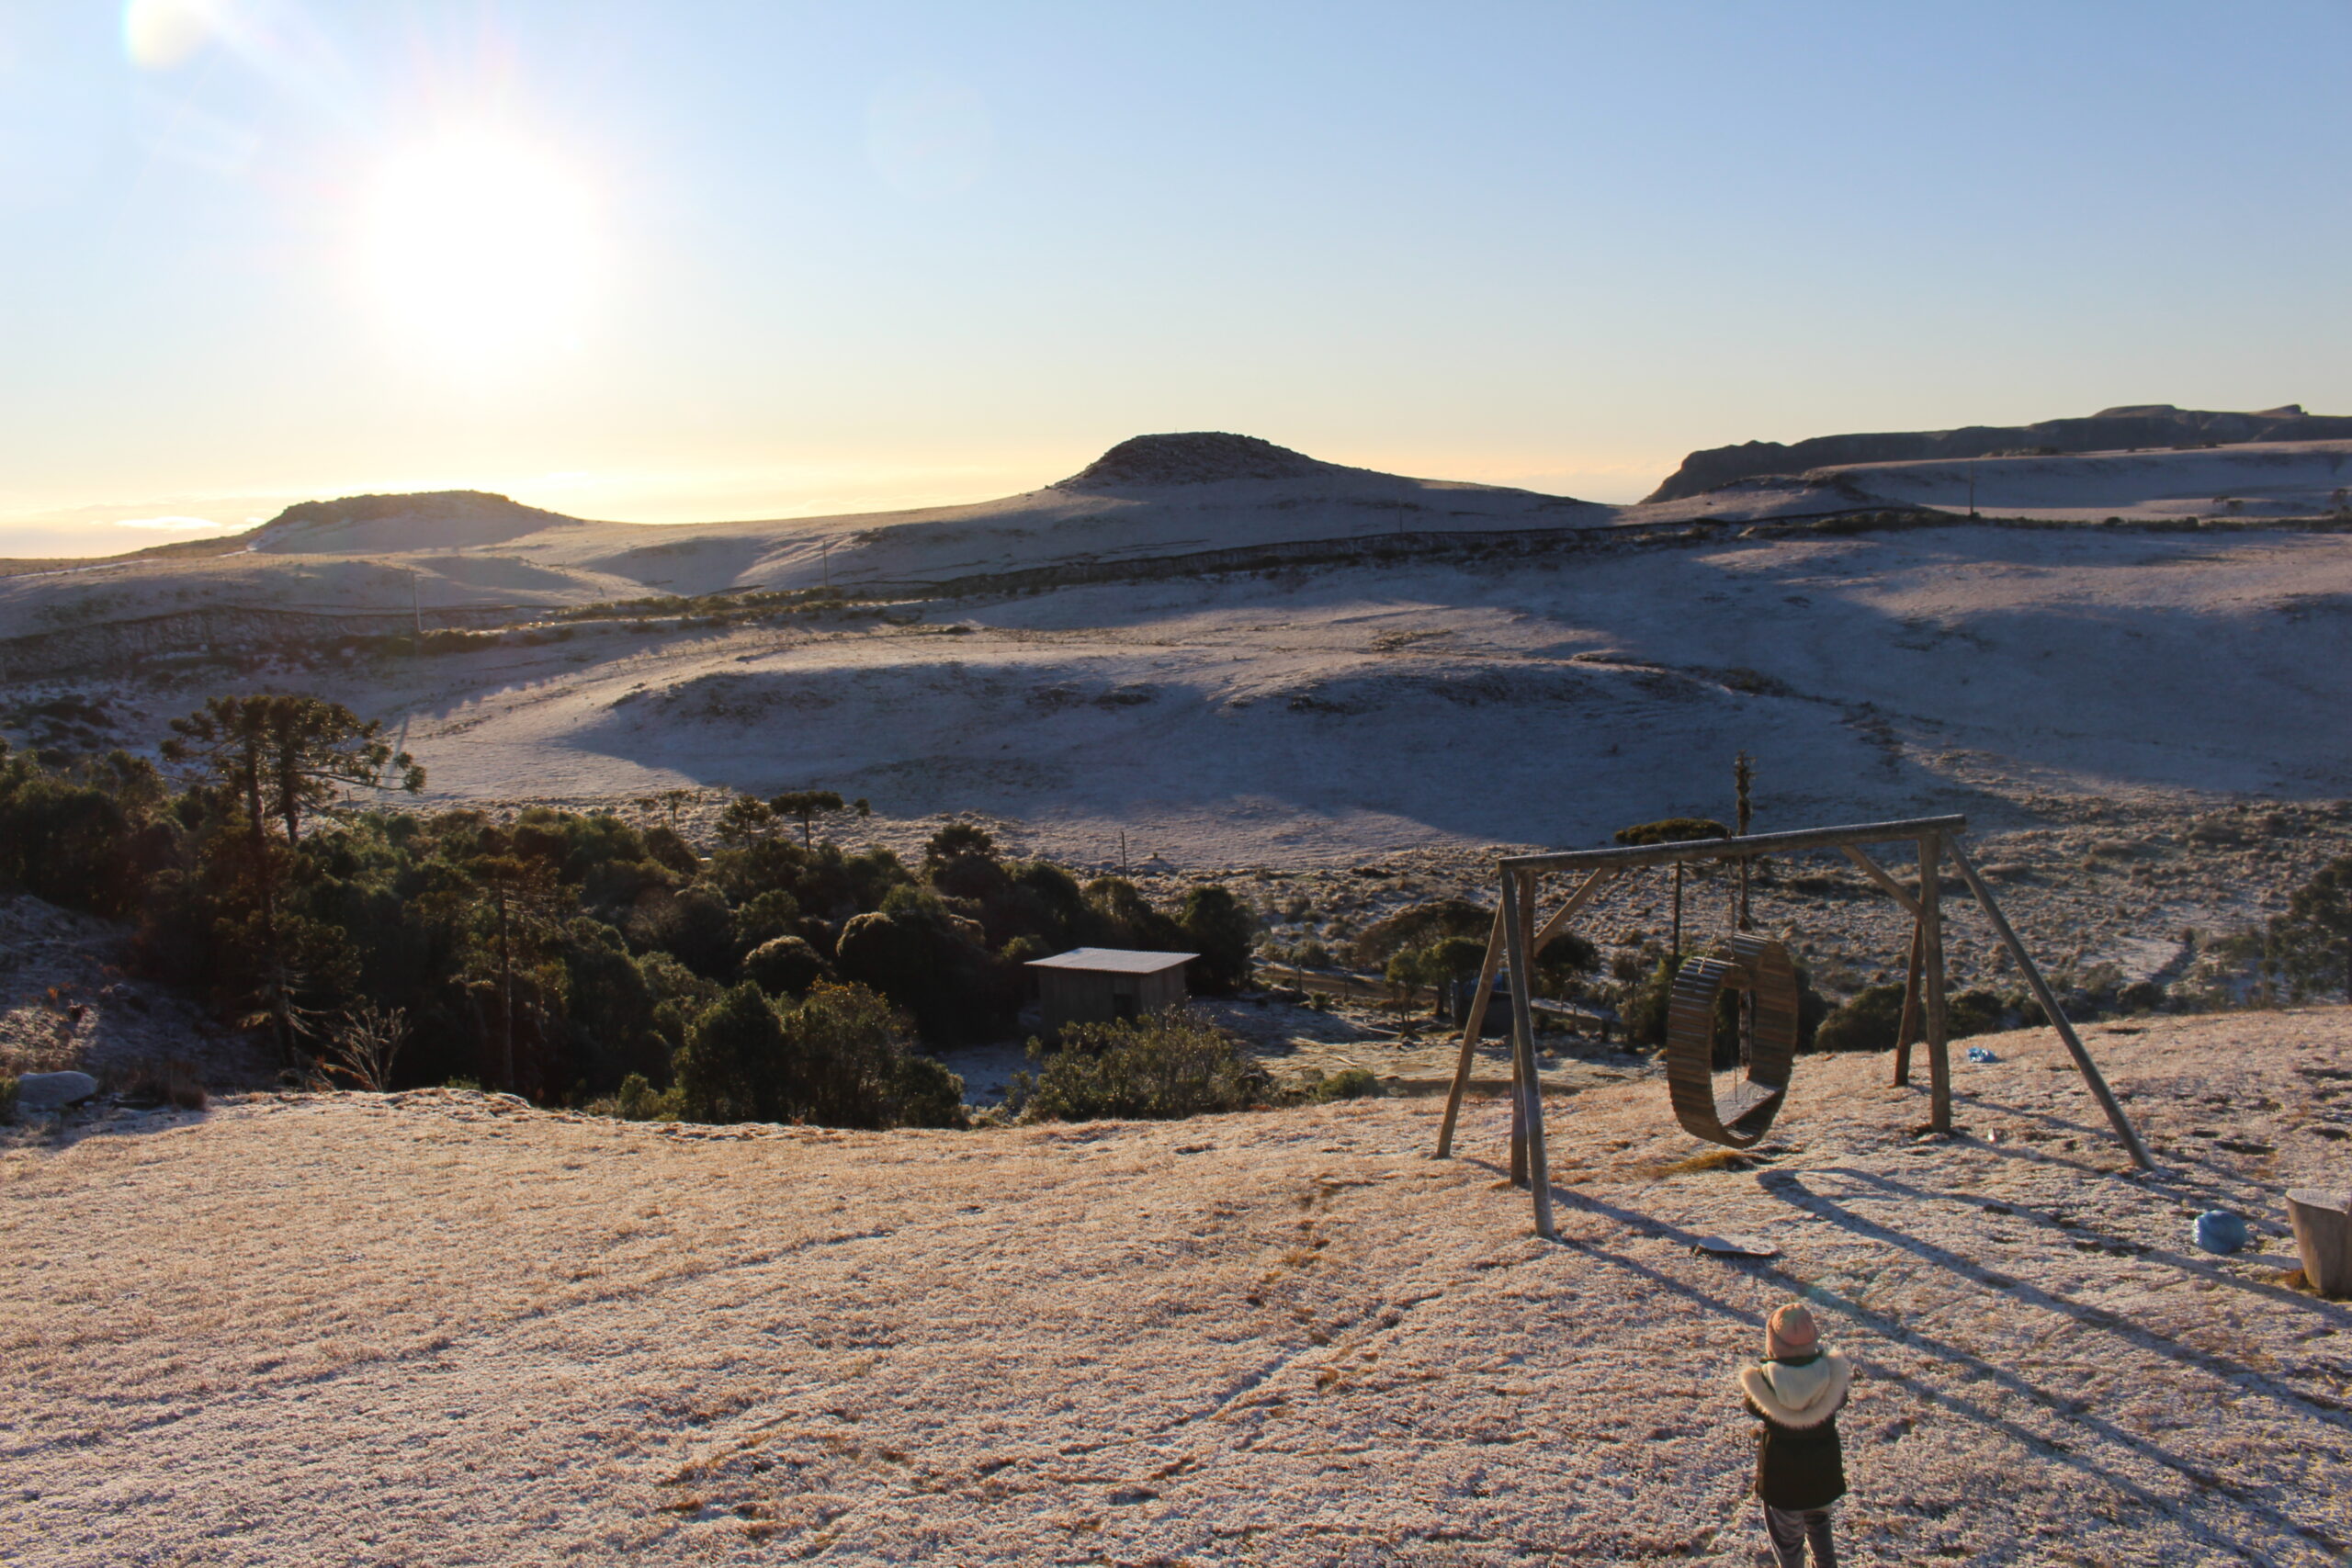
x=1626, y=857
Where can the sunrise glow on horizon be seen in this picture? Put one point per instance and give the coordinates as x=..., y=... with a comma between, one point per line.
x=718, y=261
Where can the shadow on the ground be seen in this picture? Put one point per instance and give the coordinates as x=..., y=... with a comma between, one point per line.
x=1969, y=1367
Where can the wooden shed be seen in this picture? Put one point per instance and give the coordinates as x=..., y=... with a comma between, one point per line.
x=1100, y=984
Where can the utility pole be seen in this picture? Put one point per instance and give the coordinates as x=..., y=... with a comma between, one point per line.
x=1742, y=775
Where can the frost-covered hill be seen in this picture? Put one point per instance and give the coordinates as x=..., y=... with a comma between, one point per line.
x=1155, y=496
x=1364, y=702
x=2136, y=427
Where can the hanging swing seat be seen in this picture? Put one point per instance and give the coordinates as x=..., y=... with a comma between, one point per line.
x=1761, y=967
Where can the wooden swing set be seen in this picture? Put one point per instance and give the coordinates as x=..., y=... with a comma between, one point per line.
x=1745, y=963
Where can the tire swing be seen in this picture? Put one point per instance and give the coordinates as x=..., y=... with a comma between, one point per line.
x=1742, y=962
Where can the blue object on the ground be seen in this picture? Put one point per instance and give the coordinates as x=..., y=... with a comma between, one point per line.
x=2218, y=1230
x=1978, y=1054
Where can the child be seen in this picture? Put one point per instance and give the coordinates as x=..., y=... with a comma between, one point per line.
x=1800, y=1469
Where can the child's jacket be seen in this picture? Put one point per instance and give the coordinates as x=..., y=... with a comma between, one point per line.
x=1799, y=1462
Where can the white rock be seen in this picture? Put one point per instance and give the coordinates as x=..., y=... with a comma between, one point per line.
x=51, y=1091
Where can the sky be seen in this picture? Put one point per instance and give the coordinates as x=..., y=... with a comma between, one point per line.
x=699, y=260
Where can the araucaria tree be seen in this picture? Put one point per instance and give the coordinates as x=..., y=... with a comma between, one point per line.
x=807, y=804
x=284, y=758
x=275, y=760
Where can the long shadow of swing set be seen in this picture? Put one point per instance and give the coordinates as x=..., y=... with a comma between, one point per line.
x=1754, y=964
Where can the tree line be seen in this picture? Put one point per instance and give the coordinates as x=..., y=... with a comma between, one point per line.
x=569, y=957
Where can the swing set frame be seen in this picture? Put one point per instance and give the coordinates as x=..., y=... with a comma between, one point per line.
x=1517, y=939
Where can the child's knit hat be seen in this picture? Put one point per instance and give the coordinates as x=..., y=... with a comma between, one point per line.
x=1790, y=1332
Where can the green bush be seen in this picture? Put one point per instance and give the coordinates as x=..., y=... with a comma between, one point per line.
x=731, y=1067
x=928, y=960
x=637, y=1100
x=1116, y=914
x=786, y=967
x=2307, y=949
x=766, y=917
x=1870, y=1018
x=1169, y=1065
x=1642, y=1010
x=1417, y=929
x=852, y=1065
x=1867, y=1020
x=1673, y=831
x=1352, y=1083
x=1974, y=1013
x=1219, y=928
x=838, y=1059
x=8, y=1098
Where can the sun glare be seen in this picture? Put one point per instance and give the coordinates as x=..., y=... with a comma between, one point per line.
x=483, y=249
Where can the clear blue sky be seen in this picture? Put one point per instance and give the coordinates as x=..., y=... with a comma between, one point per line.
x=685, y=259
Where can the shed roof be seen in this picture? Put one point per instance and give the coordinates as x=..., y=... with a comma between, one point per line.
x=1112, y=960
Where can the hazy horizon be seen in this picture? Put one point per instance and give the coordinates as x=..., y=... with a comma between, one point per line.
x=726, y=260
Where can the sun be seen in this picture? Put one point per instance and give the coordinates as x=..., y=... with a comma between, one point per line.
x=480, y=249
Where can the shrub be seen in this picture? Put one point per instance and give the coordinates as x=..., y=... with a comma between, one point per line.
x=1870, y=1018
x=1643, y=1007
x=1219, y=928
x=2310, y=946
x=766, y=917
x=786, y=967
x=170, y=1083
x=1352, y=1083
x=924, y=957
x=637, y=1100
x=731, y=1066
x=958, y=839
x=1973, y=1012
x=1116, y=914
x=1170, y=1064
x=8, y=1098
x=1421, y=927
x=694, y=924
x=839, y=1059
x=1867, y=1020
x=851, y=1066
x=1672, y=830
x=364, y=1044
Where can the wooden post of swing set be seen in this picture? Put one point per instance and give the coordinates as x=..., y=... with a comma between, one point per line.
x=1528, y=1154
x=1932, y=981
x=1908, y=1028
x=1475, y=1018
x=1517, y=939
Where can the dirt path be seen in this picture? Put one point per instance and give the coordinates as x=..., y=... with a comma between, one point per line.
x=442, y=1329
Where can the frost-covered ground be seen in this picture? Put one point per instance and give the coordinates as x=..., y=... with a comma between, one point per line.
x=440, y=1329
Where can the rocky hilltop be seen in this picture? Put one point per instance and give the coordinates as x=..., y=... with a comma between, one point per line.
x=2109, y=430
x=1199, y=457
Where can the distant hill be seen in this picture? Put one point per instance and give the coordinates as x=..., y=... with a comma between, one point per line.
x=2109, y=430
x=353, y=525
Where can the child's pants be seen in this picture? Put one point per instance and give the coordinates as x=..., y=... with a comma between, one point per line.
x=1791, y=1527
